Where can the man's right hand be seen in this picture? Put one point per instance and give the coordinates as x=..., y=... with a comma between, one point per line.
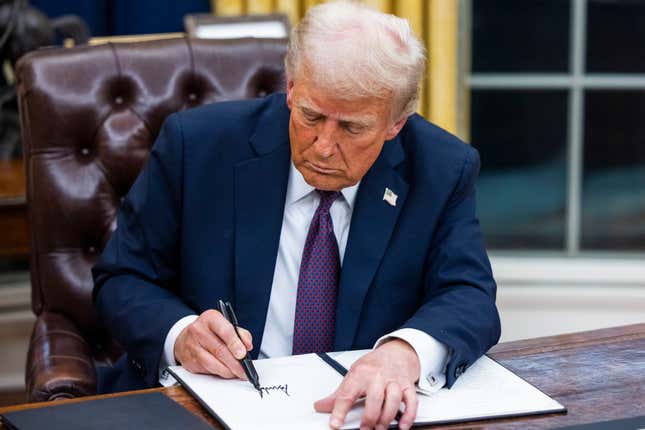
x=210, y=345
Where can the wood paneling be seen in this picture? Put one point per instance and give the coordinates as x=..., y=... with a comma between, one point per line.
x=14, y=231
x=14, y=239
x=12, y=180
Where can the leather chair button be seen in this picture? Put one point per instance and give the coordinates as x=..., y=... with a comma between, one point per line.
x=192, y=97
x=262, y=93
x=85, y=151
x=118, y=100
x=91, y=250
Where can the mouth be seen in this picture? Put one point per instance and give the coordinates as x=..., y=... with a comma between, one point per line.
x=320, y=169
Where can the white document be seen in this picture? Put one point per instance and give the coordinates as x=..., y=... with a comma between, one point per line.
x=291, y=385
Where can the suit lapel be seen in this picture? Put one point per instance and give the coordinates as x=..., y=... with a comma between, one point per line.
x=372, y=224
x=260, y=190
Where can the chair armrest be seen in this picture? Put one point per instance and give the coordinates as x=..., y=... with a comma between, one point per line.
x=59, y=361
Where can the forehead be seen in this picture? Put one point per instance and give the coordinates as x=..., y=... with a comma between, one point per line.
x=312, y=97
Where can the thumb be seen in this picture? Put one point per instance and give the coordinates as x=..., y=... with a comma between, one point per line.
x=325, y=404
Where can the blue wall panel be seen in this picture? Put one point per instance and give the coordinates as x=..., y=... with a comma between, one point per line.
x=117, y=17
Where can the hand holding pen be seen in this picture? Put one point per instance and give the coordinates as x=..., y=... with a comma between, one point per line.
x=212, y=345
x=247, y=364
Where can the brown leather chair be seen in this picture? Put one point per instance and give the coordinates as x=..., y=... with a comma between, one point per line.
x=89, y=117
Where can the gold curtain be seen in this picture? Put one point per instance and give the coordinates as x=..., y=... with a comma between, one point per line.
x=434, y=21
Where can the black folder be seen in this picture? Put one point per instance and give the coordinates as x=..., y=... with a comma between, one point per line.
x=135, y=411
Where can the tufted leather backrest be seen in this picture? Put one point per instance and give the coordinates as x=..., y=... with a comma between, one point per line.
x=90, y=115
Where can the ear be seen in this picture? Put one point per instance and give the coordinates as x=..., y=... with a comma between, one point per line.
x=396, y=127
x=290, y=85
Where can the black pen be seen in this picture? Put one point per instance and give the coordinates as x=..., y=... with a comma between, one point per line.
x=247, y=364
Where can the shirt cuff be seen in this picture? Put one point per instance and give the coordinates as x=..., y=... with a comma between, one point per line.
x=168, y=356
x=433, y=357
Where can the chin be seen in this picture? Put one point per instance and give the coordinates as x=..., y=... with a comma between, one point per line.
x=323, y=182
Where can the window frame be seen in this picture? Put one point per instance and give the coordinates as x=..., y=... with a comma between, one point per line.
x=576, y=82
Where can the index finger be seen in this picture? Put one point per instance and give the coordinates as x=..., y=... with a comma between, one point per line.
x=227, y=333
x=347, y=394
x=411, y=400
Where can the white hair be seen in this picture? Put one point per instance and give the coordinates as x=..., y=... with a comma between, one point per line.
x=354, y=51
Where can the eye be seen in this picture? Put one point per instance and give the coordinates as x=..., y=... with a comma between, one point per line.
x=310, y=117
x=352, y=128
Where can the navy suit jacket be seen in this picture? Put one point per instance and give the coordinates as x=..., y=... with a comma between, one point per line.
x=202, y=222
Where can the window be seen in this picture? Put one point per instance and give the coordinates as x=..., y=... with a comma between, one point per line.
x=557, y=111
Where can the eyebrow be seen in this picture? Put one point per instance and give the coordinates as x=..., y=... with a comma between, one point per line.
x=364, y=121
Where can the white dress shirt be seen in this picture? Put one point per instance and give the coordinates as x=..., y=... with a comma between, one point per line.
x=300, y=205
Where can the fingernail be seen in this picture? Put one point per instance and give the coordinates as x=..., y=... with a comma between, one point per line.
x=240, y=352
x=403, y=426
x=380, y=427
x=335, y=423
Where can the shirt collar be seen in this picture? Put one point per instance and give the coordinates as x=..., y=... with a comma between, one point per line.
x=298, y=188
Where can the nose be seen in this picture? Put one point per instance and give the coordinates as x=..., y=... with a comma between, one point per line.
x=325, y=144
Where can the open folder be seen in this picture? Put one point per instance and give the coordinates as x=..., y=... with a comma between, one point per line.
x=290, y=386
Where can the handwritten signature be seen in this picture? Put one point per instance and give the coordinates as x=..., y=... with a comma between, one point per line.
x=268, y=390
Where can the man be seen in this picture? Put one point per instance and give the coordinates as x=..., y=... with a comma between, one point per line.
x=332, y=218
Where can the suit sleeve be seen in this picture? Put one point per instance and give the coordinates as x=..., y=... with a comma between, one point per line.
x=459, y=290
x=136, y=277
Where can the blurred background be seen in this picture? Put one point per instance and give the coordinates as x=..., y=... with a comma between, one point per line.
x=551, y=93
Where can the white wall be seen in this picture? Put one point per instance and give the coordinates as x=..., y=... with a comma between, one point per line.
x=547, y=296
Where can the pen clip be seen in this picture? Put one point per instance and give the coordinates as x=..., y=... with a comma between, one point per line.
x=222, y=309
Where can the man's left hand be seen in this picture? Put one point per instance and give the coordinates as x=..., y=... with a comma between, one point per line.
x=385, y=377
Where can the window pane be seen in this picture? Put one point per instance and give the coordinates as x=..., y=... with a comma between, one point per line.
x=520, y=36
x=616, y=36
x=521, y=192
x=613, y=199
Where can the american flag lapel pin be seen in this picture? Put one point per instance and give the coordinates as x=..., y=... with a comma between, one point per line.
x=390, y=197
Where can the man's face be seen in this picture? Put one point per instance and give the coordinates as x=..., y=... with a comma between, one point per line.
x=334, y=142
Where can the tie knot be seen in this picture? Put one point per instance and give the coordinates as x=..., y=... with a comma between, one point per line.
x=327, y=198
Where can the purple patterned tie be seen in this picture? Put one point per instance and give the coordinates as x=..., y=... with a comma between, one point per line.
x=313, y=329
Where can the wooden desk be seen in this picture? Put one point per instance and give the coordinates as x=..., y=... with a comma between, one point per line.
x=14, y=240
x=598, y=375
